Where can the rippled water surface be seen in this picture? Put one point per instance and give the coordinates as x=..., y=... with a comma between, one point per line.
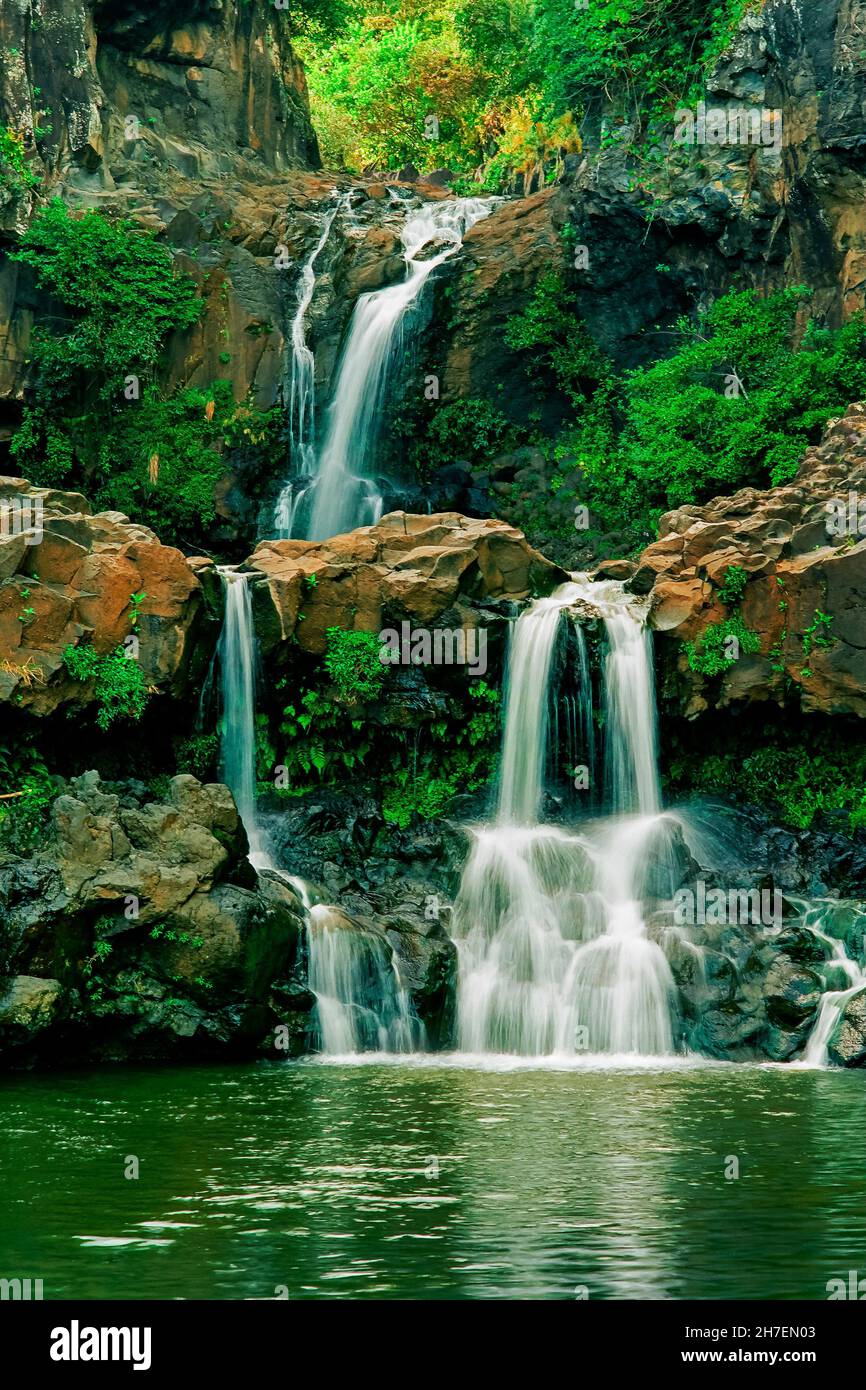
x=433, y=1181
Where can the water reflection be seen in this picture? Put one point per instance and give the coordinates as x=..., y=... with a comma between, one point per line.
x=437, y=1182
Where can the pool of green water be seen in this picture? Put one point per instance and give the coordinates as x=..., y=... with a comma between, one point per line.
x=402, y=1181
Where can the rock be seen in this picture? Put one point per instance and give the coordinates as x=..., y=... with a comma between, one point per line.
x=786, y=585
x=28, y=1005
x=847, y=1046
x=405, y=567
x=503, y=258
x=439, y=178
x=792, y=992
x=145, y=920
x=78, y=580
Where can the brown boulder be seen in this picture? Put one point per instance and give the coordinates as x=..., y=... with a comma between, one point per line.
x=803, y=550
x=75, y=584
x=404, y=567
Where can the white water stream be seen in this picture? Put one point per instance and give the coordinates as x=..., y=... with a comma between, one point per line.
x=336, y=491
x=554, y=956
x=361, y=1003
x=302, y=392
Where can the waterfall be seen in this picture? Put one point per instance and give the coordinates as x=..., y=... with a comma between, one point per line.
x=340, y=494
x=526, y=713
x=816, y=1052
x=237, y=659
x=302, y=393
x=361, y=1002
x=549, y=923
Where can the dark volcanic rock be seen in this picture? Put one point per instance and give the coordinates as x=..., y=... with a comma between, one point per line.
x=140, y=930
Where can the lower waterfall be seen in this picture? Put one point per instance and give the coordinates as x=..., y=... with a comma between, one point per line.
x=550, y=920
x=549, y=925
x=361, y=1004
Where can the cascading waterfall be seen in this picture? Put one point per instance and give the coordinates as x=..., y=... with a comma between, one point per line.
x=237, y=659
x=845, y=972
x=554, y=955
x=361, y=1003
x=340, y=494
x=302, y=392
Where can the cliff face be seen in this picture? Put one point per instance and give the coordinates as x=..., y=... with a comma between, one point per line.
x=193, y=86
x=803, y=559
x=192, y=119
x=785, y=212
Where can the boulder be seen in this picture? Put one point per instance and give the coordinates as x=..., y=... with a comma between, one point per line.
x=847, y=1047
x=415, y=568
x=140, y=930
x=71, y=583
x=800, y=558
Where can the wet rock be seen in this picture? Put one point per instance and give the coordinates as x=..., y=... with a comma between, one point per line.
x=28, y=1005
x=139, y=930
x=847, y=1047
x=792, y=992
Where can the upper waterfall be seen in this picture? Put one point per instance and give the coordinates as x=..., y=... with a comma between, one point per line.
x=336, y=491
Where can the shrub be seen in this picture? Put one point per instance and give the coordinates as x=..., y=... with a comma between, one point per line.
x=352, y=662
x=709, y=655
x=118, y=683
x=27, y=790
x=122, y=295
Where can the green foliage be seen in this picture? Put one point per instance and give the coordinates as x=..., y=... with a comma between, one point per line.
x=641, y=55
x=818, y=633
x=677, y=432
x=198, y=755
x=352, y=662
x=122, y=299
x=158, y=460
x=470, y=430
x=119, y=686
x=327, y=741
x=508, y=80
x=26, y=793
x=322, y=741
x=709, y=656
x=16, y=175
x=685, y=440
x=460, y=758
x=558, y=350
x=96, y=420
x=392, y=65
x=801, y=778
x=733, y=586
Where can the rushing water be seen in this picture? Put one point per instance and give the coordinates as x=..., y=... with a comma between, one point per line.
x=237, y=663
x=302, y=390
x=435, y=1182
x=340, y=493
x=554, y=956
x=361, y=1003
